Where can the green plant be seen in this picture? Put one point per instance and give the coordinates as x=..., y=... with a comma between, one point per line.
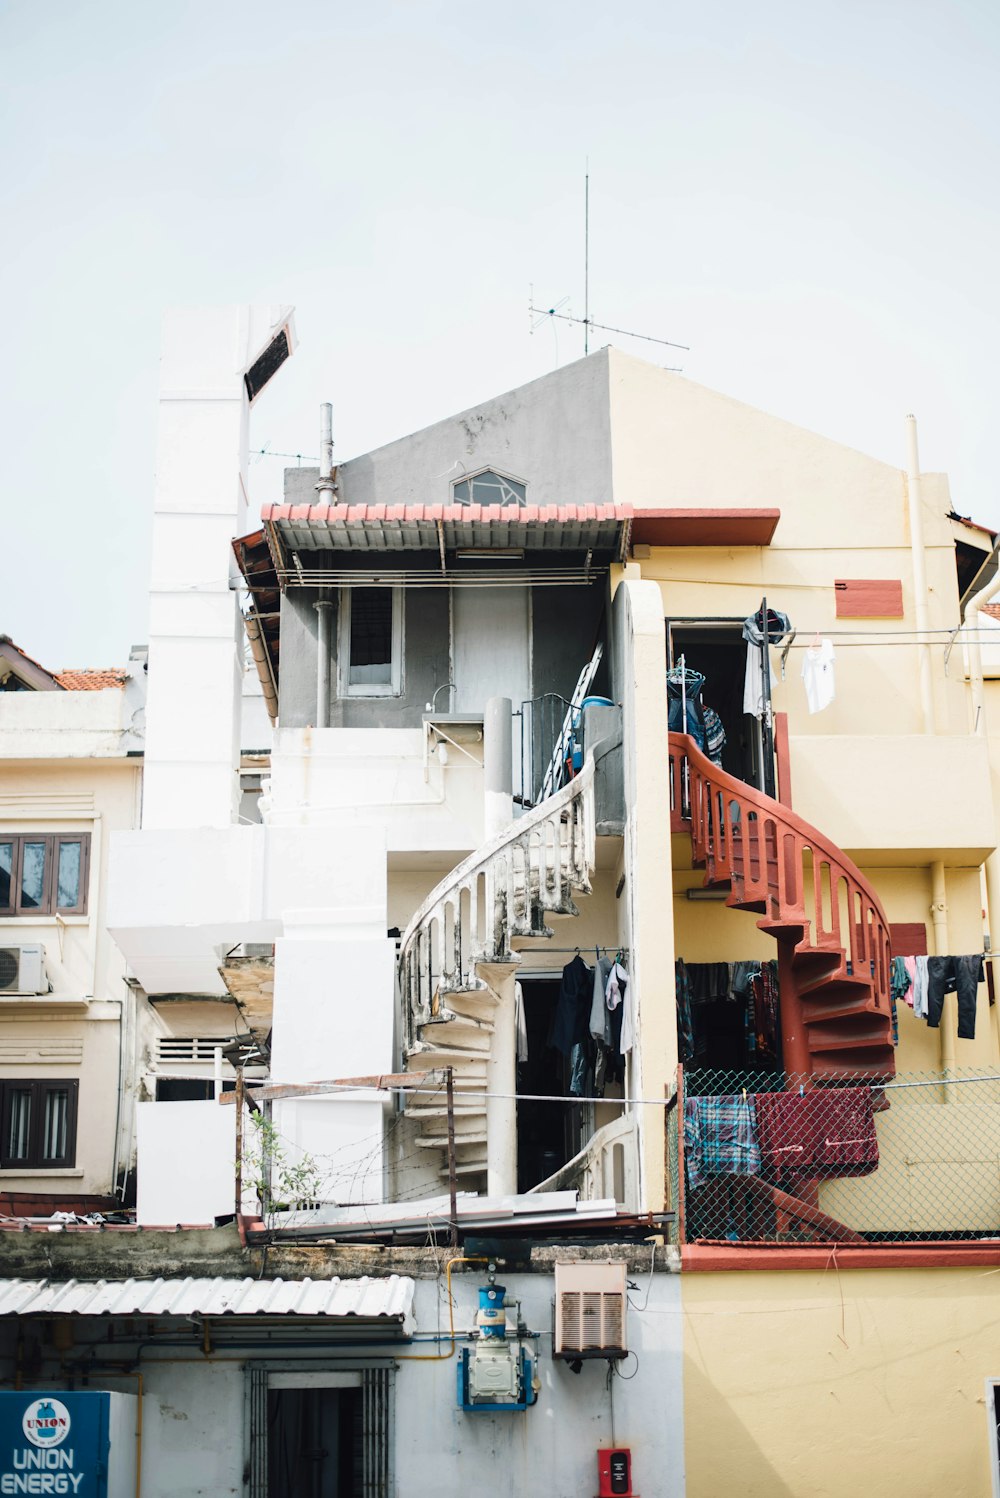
x=282, y=1183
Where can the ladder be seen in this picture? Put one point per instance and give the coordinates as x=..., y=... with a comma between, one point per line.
x=556, y=771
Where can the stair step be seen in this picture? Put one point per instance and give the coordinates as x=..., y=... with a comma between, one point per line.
x=466, y=1168
x=478, y=1005
x=463, y=1031
x=847, y=994
x=460, y=1140
x=872, y=1062
x=424, y=1057
x=827, y=1039
x=794, y=929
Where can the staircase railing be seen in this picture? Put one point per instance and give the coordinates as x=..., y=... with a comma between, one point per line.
x=606, y=1167
x=780, y=865
x=498, y=892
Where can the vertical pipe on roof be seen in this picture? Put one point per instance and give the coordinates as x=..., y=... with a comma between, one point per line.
x=326, y=487
x=323, y=634
x=919, y=575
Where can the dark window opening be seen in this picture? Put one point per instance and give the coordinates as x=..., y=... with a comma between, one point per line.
x=371, y=637
x=489, y=488
x=38, y=1124
x=315, y=1443
x=267, y=365
x=188, y=1089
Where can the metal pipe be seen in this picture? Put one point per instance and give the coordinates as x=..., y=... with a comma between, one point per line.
x=942, y=946
x=323, y=634
x=326, y=488
x=980, y=728
x=919, y=576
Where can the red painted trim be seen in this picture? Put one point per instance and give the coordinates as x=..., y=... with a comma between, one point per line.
x=868, y=597
x=783, y=757
x=704, y=527
x=724, y=1256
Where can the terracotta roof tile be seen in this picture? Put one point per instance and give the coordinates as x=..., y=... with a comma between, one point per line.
x=90, y=680
x=993, y=609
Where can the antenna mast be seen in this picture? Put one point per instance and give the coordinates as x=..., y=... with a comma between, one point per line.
x=586, y=259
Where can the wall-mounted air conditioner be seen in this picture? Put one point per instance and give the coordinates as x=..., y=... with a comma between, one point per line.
x=591, y=1301
x=22, y=970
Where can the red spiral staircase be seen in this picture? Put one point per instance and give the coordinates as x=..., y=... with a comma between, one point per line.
x=834, y=964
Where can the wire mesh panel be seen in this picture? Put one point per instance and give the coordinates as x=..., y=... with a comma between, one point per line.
x=775, y=1157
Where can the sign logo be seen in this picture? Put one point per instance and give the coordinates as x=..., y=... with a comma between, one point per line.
x=46, y=1422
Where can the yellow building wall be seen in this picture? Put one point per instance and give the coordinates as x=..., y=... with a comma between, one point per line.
x=838, y=1383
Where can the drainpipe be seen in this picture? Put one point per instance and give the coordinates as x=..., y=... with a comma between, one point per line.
x=939, y=916
x=498, y=783
x=919, y=576
x=326, y=488
x=977, y=693
x=323, y=608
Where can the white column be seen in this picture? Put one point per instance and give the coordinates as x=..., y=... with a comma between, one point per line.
x=501, y=1084
x=200, y=505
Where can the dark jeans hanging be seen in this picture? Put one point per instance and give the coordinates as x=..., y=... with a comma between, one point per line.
x=961, y=974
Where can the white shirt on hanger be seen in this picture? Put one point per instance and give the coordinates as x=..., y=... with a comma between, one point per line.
x=817, y=673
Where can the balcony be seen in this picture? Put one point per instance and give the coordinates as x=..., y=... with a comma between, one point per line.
x=764, y=1162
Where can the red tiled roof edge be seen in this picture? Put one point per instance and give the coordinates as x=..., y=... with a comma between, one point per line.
x=90, y=680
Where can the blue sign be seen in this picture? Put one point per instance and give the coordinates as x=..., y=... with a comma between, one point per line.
x=54, y=1442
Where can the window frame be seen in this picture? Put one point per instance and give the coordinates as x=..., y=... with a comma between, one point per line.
x=39, y=1087
x=519, y=501
x=53, y=841
x=394, y=686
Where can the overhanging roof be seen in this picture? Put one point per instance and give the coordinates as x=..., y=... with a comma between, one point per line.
x=705, y=527
x=384, y=1300
x=367, y=528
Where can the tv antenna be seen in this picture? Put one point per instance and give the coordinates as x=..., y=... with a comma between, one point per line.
x=586, y=321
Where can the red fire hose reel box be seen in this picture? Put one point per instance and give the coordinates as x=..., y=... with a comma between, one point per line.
x=614, y=1471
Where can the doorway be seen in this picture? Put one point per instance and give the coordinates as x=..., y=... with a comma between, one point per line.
x=491, y=654
x=716, y=649
x=548, y=1133
x=315, y=1442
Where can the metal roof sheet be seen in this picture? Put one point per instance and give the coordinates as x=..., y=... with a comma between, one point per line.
x=322, y=527
x=383, y=1299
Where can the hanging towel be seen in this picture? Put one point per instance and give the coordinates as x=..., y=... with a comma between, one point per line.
x=778, y=626
x=827, y=1132
x=720, y=1138
x=817, y=673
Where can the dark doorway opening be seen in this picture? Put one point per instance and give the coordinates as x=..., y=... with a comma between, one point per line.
x=716, y=649
x=547, y=1133
x=314, y=1443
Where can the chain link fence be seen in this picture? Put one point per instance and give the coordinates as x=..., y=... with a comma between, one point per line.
x=773, y=1157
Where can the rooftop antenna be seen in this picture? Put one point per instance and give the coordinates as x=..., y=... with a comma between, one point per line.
x=541, y=313
x=586, y=259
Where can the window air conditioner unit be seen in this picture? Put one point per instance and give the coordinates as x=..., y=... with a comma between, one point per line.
x=22, y=970
x=591, y=1301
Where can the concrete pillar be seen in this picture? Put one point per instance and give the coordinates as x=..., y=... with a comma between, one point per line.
x=200, y=504
x=942, y=946
x=501, y=1084
x=498, y=766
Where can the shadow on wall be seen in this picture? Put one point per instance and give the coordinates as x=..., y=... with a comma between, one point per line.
x=720, y=1454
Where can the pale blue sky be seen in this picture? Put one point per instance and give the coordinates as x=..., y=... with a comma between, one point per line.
x=805, y=194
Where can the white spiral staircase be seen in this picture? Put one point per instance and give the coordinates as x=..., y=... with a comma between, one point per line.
x=456, y=953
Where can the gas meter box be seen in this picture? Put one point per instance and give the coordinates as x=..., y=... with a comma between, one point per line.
x=80, y=1443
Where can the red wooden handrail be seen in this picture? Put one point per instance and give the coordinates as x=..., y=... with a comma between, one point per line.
x=806, y=888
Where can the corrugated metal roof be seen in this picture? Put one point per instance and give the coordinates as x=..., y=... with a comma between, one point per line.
x=322, y=527
x=384, y=1299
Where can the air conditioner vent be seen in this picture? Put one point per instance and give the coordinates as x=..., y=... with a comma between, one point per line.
x=22, y=970
x=590, y=1311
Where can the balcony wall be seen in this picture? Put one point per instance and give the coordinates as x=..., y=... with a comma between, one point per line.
x=894, y=799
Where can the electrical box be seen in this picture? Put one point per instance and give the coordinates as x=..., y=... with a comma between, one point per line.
x=614, y=1471
x=81, y=1443
x=591, y=1302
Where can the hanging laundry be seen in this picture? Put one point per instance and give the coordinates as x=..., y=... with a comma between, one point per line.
x=599, y=1027
x=572, y=1016
x=715, y=734
x=685, y=1023
x=901, y=986
x=579, y=1070
x=777, y=627
x=959, y=974
x=720, y=1138
x=685, y=713
x=520, y=1024
x=920, y=987
x=817, y=673
x=910, y=964
x=619, y=993
x=826, y=1132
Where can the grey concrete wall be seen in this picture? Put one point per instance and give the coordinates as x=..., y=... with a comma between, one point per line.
x=565, y=626
x=553, y=434
x=426, y=664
